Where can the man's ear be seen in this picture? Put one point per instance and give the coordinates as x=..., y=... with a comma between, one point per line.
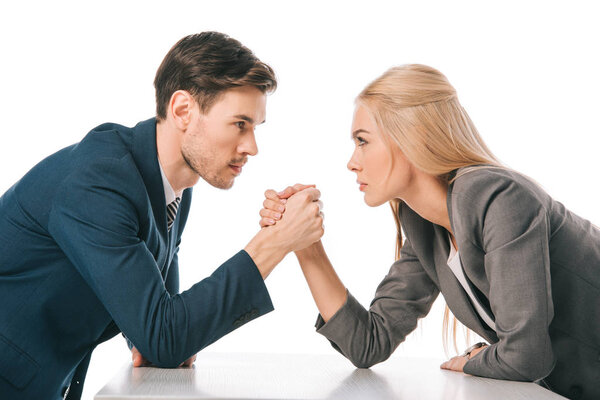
x=180, y=108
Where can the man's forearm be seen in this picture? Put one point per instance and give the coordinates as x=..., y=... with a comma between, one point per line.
x=326, y=287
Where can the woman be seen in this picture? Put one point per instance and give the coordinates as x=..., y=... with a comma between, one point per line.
x=514, y=265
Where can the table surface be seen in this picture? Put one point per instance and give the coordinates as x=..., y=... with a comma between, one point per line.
x=253, y=376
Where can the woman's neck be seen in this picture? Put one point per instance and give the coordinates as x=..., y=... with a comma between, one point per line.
x=427, y=197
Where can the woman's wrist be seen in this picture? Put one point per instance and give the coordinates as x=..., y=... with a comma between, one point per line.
x=473, y=350
x=310, y=253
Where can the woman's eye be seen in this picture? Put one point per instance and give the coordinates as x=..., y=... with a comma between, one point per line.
x=241, y=124
x=360, y=141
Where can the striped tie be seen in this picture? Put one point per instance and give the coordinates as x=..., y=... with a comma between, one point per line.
x=172, y=212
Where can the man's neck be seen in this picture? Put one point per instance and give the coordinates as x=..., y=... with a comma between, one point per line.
x=168, y=146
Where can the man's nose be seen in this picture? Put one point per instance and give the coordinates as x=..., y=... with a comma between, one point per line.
x=248, y=145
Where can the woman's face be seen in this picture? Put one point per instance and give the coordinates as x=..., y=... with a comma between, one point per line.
x=382, y=174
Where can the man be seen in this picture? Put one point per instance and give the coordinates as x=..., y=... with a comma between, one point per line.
x=89, y=237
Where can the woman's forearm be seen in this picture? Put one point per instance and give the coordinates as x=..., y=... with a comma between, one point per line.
x=327, y=289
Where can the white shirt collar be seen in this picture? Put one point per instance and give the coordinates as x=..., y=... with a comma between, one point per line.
x=170, y=195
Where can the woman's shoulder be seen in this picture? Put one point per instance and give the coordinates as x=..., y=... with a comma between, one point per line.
x=494, y=194
x=483, y=183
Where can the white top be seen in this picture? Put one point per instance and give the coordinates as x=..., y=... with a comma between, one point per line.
x=456, y=267
x=170, y=195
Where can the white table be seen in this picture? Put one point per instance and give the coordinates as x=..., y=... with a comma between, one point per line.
x=305, y=376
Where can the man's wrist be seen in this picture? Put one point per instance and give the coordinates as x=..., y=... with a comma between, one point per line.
x=264, y=252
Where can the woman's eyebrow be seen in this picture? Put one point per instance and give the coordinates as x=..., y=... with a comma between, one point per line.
x=356, y=132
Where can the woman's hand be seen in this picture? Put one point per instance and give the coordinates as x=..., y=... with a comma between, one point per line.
x=274, y=204
x=458, y=363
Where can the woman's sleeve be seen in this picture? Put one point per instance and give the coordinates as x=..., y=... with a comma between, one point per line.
x=511, y=224
x=369, y=337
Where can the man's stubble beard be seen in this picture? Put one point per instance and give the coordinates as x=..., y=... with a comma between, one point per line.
x=200, y=165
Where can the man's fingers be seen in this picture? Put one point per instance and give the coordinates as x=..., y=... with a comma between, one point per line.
x=273, y=205
x=189, y=362
x=313, y=193
x=270, y=214
x=264, y=222
x=137, y=359
x=272, y=195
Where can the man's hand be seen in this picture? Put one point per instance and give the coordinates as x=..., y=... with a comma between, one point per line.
x=138, y=360
x=274, y=204
x=300, y=224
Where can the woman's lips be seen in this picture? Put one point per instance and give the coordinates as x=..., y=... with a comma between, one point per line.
x=362, y=186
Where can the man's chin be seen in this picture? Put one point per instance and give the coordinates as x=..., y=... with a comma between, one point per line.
x=221, y=184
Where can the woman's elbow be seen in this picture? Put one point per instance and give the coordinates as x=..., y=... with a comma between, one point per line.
x=538, y=370
x=368, y=358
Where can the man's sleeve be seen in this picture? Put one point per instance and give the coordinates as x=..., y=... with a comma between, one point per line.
x=96, y=223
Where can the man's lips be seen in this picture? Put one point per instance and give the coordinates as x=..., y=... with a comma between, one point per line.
x=361, y=186
x=237, y=168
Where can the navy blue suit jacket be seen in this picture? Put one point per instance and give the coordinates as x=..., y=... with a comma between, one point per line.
x=85, y=254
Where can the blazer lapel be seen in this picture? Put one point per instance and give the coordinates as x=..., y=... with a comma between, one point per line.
x=453, y=292
x=146, y=157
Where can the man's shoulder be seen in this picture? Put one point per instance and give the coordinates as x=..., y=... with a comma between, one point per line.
x=105, y=141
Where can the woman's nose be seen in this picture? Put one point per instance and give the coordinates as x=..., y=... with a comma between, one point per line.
x=353, y=164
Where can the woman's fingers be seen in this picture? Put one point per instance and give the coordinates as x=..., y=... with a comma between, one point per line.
x=290, y=190
x=455, y=364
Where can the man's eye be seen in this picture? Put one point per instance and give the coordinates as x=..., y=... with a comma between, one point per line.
x=241, y=124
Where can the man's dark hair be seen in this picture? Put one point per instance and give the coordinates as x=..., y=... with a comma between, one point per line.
x=205, y=65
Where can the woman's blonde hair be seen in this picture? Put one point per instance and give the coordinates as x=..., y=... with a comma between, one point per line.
x=416, y=108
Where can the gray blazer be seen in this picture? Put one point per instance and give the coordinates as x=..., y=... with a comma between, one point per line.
x=532, y=262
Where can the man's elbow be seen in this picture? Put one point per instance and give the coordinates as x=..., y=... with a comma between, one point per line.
x=164, y=359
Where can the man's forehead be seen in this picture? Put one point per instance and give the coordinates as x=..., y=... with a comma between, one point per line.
x=248, y=104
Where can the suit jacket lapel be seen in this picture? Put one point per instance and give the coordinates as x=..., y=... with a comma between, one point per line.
x=146, y=157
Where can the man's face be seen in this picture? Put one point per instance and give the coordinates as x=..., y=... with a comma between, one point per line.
x=217, y=144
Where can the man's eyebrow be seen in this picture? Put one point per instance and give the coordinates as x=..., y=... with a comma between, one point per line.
x=356, y=132
x=246, y=118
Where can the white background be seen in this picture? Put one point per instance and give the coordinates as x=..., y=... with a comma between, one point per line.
x=527, y=73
